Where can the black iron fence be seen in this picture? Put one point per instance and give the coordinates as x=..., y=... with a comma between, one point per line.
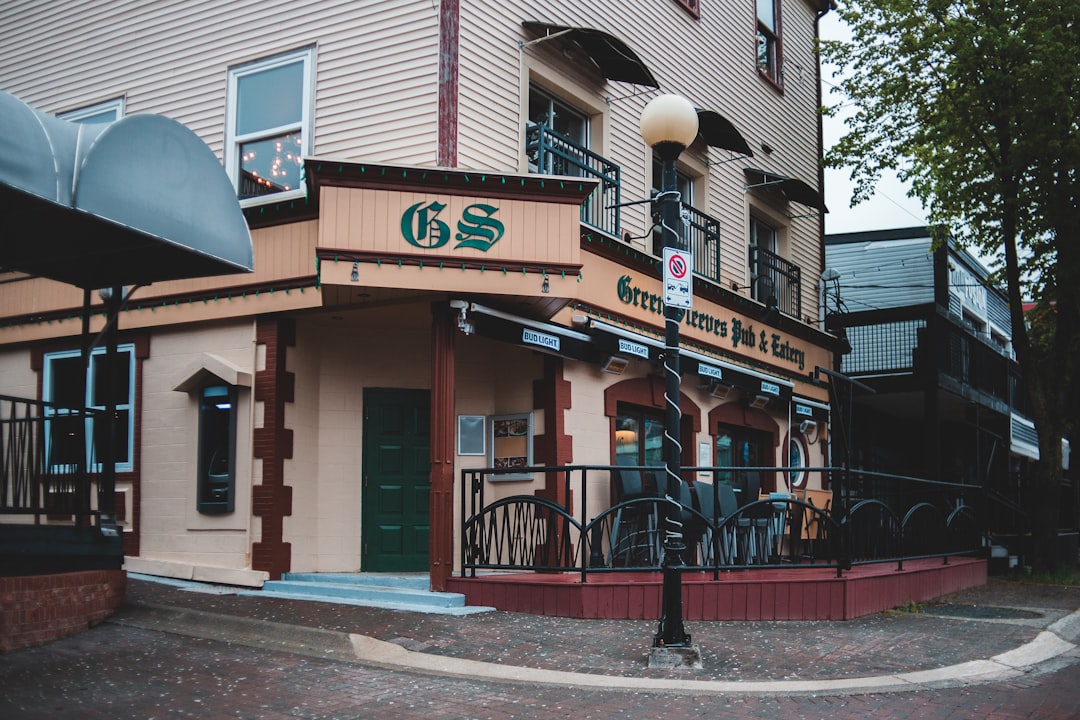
x=867, y=518
x=553, y=154
x=701, y=234
x=776, y=281
x=33, y=434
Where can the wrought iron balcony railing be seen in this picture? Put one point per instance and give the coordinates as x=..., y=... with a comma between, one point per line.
x=776, y=281
x=553, y=154
x=701, y=234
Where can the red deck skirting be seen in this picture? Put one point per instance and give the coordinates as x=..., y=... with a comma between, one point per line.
x=766, y=594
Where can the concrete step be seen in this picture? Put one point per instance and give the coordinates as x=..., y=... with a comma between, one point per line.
x=409, y=593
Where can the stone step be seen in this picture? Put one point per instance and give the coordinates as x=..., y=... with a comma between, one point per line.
x=392, y=592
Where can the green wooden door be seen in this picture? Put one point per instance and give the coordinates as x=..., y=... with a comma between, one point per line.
x=397, y=483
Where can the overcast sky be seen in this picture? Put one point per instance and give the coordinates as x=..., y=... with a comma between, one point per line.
x=890, y=207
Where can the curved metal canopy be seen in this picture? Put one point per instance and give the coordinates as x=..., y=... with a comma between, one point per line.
x=135, y=201
x=613, y=58
x=792, y=189
x=717, y=131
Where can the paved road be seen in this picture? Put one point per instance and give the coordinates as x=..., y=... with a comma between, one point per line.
x=284, y=659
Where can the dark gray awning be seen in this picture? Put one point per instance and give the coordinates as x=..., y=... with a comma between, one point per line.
x=717, y=131
x=615, y=340
x=792, y=189
x=532, y=334
x=135, y=201
x=613, y=58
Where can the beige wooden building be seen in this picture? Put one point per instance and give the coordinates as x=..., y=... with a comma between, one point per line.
x=454, y=262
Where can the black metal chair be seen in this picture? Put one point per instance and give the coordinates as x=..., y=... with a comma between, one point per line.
x=717, y=503
x=633, y=533
x=754, y=523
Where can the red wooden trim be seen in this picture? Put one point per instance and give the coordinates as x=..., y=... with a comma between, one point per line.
x=441, y=499
x=449, y=39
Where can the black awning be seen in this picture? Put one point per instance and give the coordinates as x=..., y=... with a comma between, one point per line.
x=613, y=58
x=613, y=340
x=802, y=409
x=131, y=202
x=792, y=189
x=750, y=382
x=532, y=334
x=717, y=131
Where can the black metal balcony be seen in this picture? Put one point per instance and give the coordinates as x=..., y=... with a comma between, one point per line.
x=701, y=234
x=553, y=154
x=776, y=281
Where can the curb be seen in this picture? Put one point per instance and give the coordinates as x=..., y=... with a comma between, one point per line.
x=1047, y=647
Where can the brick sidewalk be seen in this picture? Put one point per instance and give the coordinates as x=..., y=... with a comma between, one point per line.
x=952, y=630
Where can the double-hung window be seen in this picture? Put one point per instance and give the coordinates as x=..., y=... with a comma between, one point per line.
x=768, y=39
x=269, y=123
x=103, y=112
x=67, y=385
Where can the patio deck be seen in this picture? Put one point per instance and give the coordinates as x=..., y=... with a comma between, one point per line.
x=758, y=594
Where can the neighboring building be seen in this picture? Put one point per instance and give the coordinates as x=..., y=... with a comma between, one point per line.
x=932, y=336
x=454, y=264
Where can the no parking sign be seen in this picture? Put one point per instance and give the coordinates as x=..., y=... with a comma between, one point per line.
x=678, y=278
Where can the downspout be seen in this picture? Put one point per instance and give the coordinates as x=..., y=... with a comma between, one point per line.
x=825, y=7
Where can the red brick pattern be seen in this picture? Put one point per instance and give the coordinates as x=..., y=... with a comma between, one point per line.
x=37, y=609
x=273, y=444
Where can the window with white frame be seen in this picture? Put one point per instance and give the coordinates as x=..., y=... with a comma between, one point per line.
x=103, y=112
x=67, y=384
x=269, y=123
x=768, y=39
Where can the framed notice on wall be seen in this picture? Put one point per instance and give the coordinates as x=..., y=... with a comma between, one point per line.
x=511, y=445
x=470, y=434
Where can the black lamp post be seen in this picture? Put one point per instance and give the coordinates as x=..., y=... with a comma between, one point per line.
x=669, y=123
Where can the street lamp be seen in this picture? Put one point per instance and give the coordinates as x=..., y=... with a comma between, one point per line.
x=669, y=123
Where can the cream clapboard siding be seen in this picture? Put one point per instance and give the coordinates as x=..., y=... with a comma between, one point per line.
x=376, y=89
x=376, y=86
x=710, y=60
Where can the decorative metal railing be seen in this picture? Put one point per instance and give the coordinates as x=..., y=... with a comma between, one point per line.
x=553, y=154
x=701, y=234
x=776, y=281
x=907, y=518
x=31, y=483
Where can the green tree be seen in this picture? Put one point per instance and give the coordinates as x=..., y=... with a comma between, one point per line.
x=975, y=104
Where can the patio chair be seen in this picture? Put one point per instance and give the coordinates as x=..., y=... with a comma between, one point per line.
x=753, y=524
x=633, y=533
x=717, y=502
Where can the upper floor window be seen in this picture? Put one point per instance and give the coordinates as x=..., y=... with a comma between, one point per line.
x=685, y=185
x=764, y=278
x=567, y=122
x=768, y=39
x=692, y=6
x=269, y=123
x=103, y=112
x=68, y=384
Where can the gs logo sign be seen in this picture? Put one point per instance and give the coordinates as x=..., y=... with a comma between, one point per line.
x=477, y=228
